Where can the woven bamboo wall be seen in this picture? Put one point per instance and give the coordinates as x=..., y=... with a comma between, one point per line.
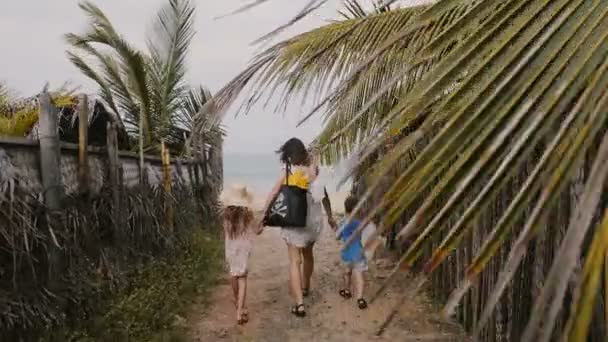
x=20, y=159
x=68, y=243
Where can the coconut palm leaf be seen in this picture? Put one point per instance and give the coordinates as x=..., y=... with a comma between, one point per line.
x=577, y=326
x=353, y=9
x=146, y=90
x=132, y=64
x=569, y=253
x=168, y=49
x=508, y=84
x=503, y=90
x=313, y=63
x=4, y=94
x=105, y=92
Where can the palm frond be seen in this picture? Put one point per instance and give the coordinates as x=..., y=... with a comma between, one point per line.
x=147, y=91
x=191, y=105
x=313, y=63
x=531, y=69
x=132, y=62
x=353, y=9
x=505, y=108
x=173, y=32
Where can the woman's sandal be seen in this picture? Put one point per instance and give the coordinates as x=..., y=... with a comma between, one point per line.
x=345, y=294
x=362, y=303
x=298, y=310
x=245, y=315
x=305, y=292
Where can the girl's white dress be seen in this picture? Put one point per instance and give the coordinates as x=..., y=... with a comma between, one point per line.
x=304, y=236
x=238, y=251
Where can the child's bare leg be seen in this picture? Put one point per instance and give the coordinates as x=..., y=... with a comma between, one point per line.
x=359, y=283
x=235, y=289
x=347, y=279
x=242, y=295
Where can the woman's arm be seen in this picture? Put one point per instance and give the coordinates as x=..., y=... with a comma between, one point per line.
x=274, y=192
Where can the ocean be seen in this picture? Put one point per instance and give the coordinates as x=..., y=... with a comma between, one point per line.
x=259, y=172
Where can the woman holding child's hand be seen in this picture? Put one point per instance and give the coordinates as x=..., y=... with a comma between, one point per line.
x=302, y=171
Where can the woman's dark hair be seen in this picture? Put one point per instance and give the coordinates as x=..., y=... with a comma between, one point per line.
x=293, y=152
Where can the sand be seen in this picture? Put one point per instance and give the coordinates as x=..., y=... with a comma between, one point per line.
x=330, y=318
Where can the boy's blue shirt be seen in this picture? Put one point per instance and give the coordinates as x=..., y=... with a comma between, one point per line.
x=354, y=252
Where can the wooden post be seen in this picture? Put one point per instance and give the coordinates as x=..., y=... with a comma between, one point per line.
x=113, y=162
x=50, y=169
x=50, y=153
x=188, y=158
x=166, y=164
x=83, y=144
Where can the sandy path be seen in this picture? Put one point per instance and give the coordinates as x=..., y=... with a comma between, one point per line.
x=330, y=318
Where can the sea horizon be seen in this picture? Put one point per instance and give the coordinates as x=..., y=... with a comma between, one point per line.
x=259, y=172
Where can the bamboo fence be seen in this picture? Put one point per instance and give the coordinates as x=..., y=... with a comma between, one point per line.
x=513, y=311
x=76, y=220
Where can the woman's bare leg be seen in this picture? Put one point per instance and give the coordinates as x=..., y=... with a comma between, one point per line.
x=308, y=265
x=295, y=281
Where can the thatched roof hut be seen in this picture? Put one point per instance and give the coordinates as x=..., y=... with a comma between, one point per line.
x=98, y=120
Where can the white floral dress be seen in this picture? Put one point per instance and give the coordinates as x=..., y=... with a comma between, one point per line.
x=238, y=251
x=304, y=236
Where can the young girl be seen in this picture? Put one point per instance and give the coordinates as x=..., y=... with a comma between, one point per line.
x=238, y=231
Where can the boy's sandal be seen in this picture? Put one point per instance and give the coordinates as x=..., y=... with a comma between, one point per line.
x=345, y=294
x=362, y=303
x=298, y=310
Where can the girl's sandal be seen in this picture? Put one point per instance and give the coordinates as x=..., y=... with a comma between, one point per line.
x=345, y=294
x=362, y=303
x=239, y=318
x=298, y=310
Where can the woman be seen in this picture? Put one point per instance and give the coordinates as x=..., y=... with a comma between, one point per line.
x=301, y=171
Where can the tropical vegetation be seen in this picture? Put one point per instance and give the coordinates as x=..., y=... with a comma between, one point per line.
x=146, y=90
x=18, y=116
x=496, y=107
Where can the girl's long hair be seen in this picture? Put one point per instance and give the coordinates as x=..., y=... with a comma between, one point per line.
x=236, y=221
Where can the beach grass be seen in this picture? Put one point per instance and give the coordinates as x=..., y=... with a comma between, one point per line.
x=154, y=306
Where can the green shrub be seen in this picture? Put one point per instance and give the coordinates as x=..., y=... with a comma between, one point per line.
x=150, y=309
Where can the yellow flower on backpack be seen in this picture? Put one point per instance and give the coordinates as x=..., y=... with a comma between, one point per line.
x=298, y=178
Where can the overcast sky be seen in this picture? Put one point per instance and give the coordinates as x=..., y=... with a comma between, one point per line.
x=33, y=52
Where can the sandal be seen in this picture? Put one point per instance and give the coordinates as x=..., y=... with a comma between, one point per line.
x=305, y=292
x=362, y=303
x=245, y=315
x=345, y=294
x=298, y=310
x=239, y=318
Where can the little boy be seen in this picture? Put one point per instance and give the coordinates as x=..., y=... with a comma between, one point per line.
x=352, y=256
